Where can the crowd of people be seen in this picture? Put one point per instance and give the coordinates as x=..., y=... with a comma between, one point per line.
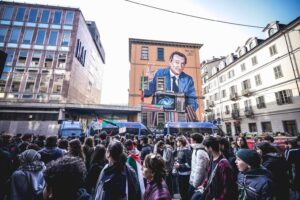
x=149, y=168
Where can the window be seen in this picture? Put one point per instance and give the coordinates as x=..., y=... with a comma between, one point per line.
x=53, y=38
x=161, y=118
x=278, y=72
x=273, y=50
x=10, y=56
x=44, y=84
x=284, y=97
x=29, y=88
x=235, y=106
x=252, y=127
x=233, y=89
x=22, y=58
x=216, y=96
x=40, y=37
x=247, y=104
x=223, y=93
x=8, y=11
x=145, y=118
x=20, y=14
x=48, y=60
x=45, y=16
x=62, y=60
x=222, y=78
x=32, y=15
x=16, y=82
x=69, y=18
x=231, y=74
x=27, y=36
x=160, y=84
x=243, y=67
x=254, y=60
x=57, y=84
x=65, y=41
x=144, y=53
x=246, y=84
x=3, y=32
x=36, y=56
x=266, y=127
x=15, y=34
x=80, y=52
x=260, y=102
x=227, y=110
x=57, y=17
x=257, y=80
x=160, y=54
x=144, y=83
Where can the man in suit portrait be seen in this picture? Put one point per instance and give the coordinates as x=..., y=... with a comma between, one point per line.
x=175, y=80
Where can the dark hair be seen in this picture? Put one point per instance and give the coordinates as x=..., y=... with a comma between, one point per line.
x=197, y=137
x=178, y=54
x=98, y=155
x=182, y=140
x=145, y=139
x=157, y=165
x=212, y=142
x=116, y=152
x=75, y=148
x=63, y=144
x=103, y=135
x=27, y=136
x=269, y=138
x=65, y=176
x=89, y=141
x=160, y=143
x=266, y=148
x=245, y=144
x=128, y=144
x=51, y=141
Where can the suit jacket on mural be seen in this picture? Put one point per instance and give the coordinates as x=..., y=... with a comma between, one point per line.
x=185, y=85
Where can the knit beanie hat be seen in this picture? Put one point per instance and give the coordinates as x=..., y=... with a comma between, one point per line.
x=250, y=157
x=29, y=156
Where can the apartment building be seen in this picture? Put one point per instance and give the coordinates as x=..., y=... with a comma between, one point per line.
x=144, y=53
x=54, y=55
x=256, y=88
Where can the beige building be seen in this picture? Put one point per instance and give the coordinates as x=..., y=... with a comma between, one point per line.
x=143, y=53
x=256, y=89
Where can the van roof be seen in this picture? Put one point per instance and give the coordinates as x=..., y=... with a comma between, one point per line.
x=126, y=124
x=190, y=125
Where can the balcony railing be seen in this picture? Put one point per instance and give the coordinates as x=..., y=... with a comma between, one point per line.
x=261, y=105
x=211, y=104
x=235, y=114
x=207, y=109
x=246, y=92
x=233, y=96
x=248, y=112
x=227, y=112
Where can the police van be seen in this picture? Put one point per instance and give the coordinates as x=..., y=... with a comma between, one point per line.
x=70, y=128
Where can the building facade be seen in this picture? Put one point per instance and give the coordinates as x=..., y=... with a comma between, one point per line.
x=144, y=53
x=256, y=89
x=54, y=55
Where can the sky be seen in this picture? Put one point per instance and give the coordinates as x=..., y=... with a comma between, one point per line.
x=119, y=20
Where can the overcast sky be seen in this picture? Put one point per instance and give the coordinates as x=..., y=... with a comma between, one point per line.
x=119, y=20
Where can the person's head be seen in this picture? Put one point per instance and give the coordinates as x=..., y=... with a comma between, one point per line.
x=181, y=141
x=292, y=144
x=196, y=138
x=211, y=144
x=269, y=139
x=63, y=178
x=161, y=146
x=51, y=141
x=154, y=168
x=27, y=137
x=264, y=148
x=177, y=62
x=103, y=135
x=224, y=144
x=75, y=148
x=98, y=155
x=63, y=144
x=144, y=140
x=89, y=141
x=129, y=145
x=247, y=159
x=242, y=142
x=115, y=153
x=29, y=156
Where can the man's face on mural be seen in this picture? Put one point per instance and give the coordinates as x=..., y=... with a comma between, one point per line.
x=177, y=64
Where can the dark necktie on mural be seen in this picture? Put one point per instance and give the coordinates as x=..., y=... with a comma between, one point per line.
x=174, y=85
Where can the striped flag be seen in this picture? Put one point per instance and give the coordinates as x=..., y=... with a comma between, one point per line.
x=134, y=161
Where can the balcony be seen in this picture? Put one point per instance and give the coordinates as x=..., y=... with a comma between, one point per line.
x=227, y=112
x=211, y=104
x=249, y=112
x=234, y=96
x=246, y=92
x=261, y=105
x=235, y=114
x=207, y=109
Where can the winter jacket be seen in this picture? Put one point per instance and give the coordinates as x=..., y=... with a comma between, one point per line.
x=168, y=158
x=92, y=176
x=113, y=184
x=50, y=153
x=184, y=159
x=255, y=184
x=278, y=167
x=200, y=165
x=146, y=149
x=83, y=195
x=27, y=184
x=157, y=192
x=294, y=162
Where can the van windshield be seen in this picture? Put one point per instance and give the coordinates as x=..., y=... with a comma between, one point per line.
x=71, y=132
